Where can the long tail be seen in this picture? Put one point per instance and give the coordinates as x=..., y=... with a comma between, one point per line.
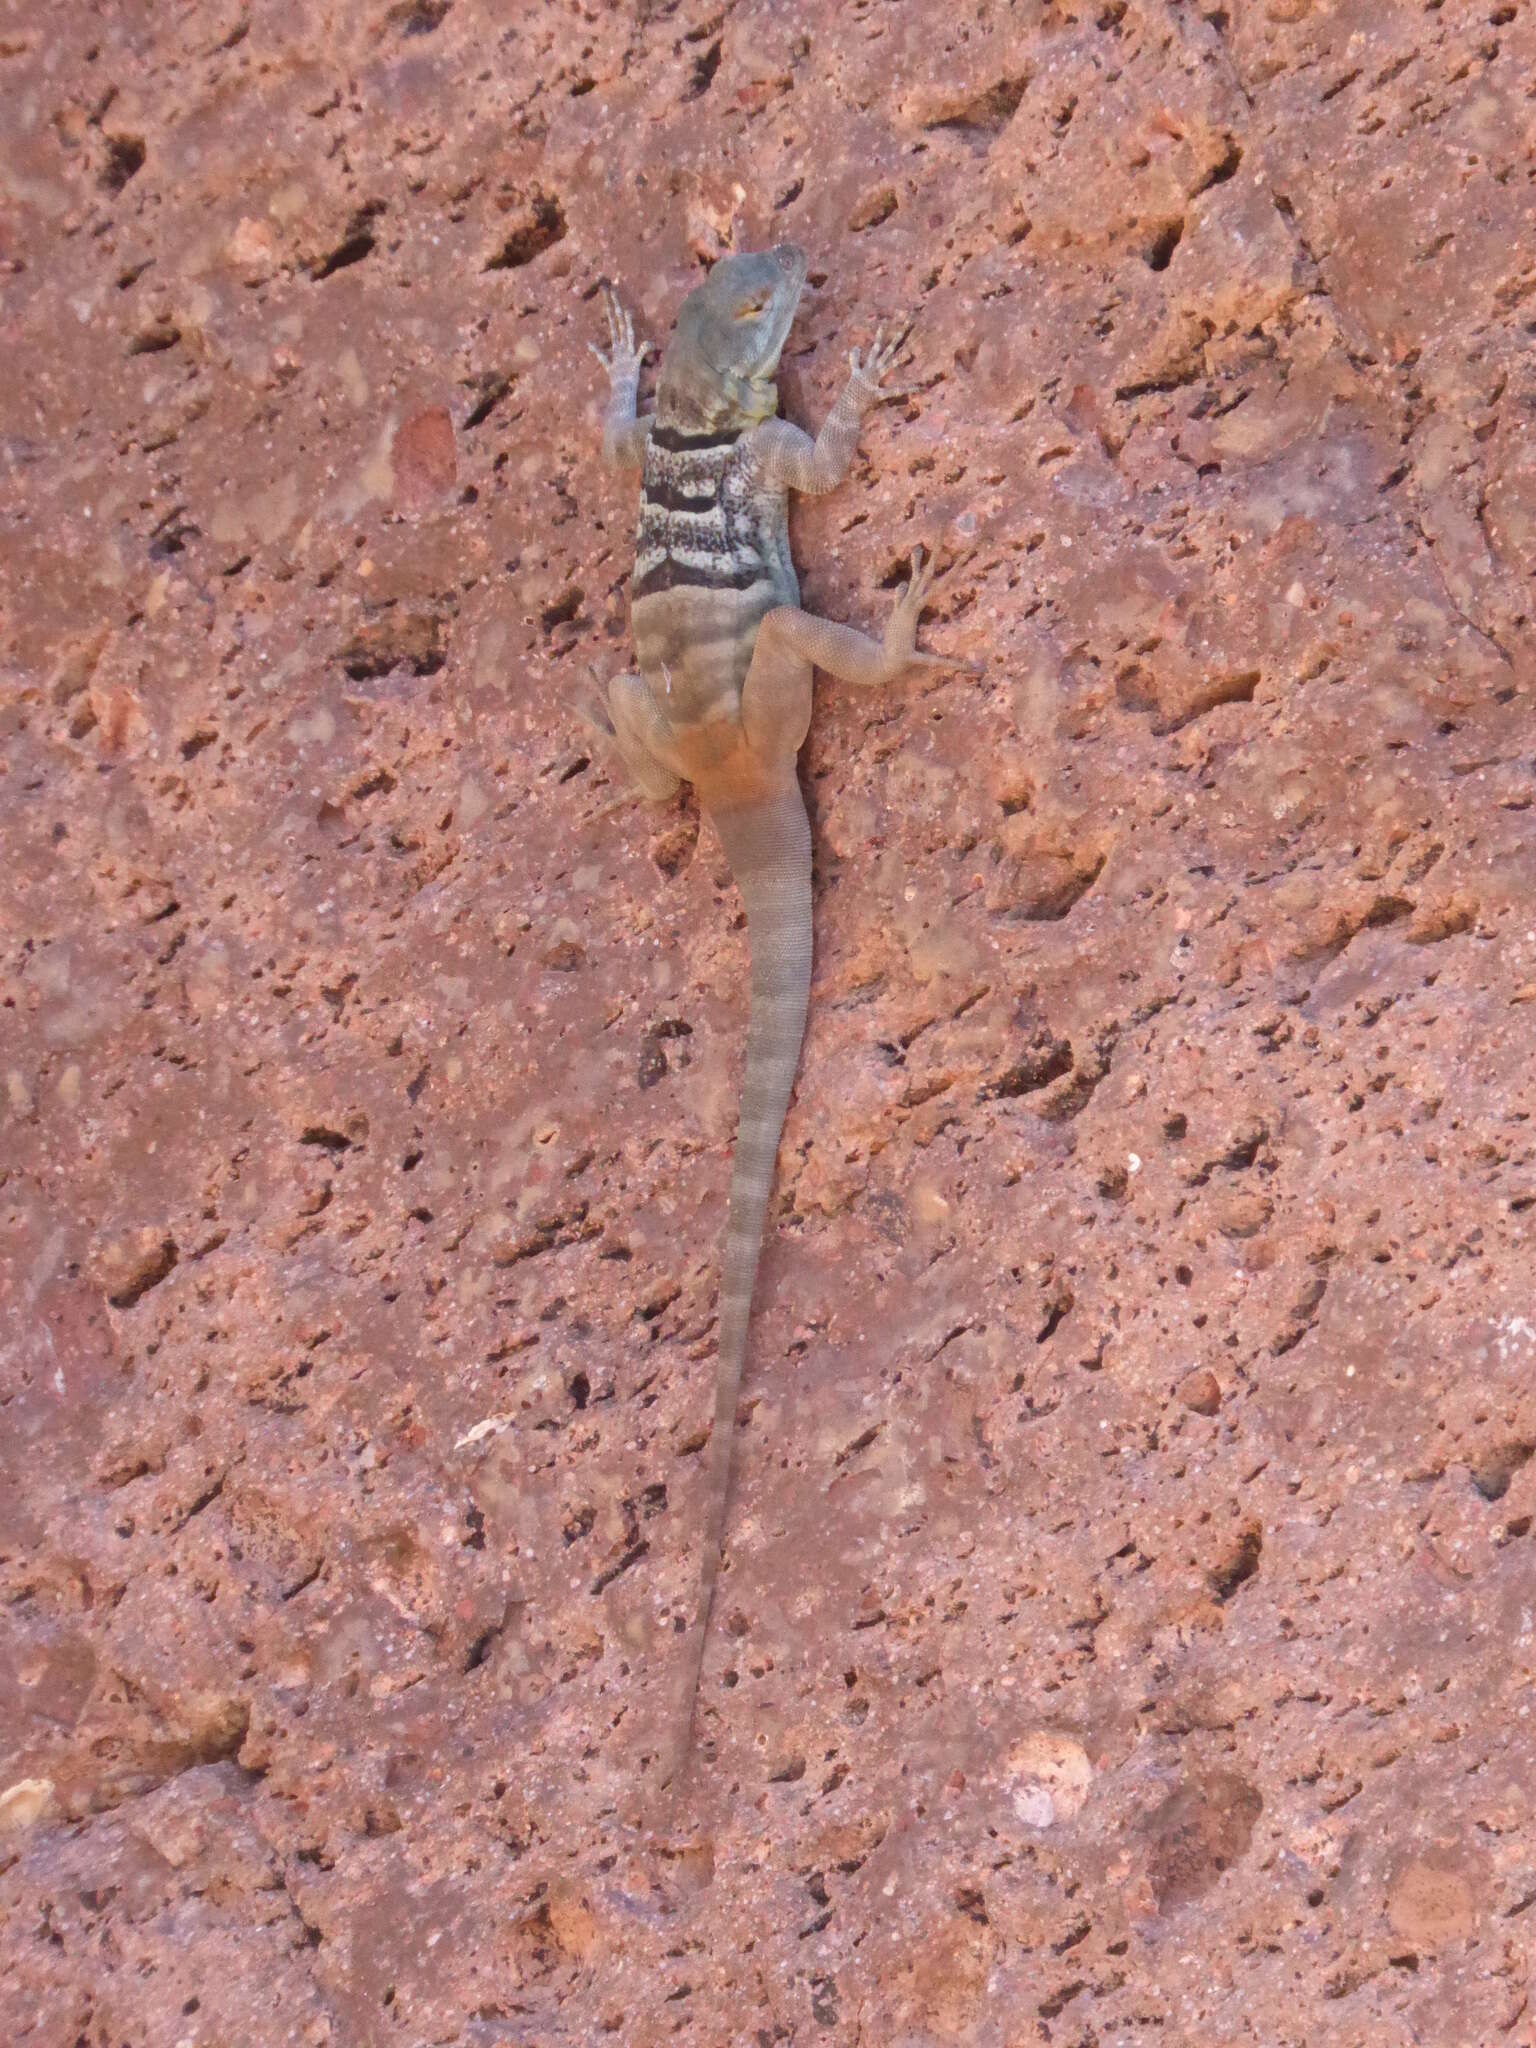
x=769, y=848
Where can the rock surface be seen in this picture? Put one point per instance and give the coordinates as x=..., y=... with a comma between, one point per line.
x=1128, y=1632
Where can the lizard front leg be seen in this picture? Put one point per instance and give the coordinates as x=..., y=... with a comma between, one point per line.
x=624, y=436
x=786, y=456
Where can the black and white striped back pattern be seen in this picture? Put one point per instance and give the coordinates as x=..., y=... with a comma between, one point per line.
x=698, y=528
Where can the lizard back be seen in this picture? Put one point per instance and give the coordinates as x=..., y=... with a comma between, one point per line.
x=711, y=561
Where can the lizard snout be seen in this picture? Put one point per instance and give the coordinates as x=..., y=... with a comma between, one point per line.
x=791, y=259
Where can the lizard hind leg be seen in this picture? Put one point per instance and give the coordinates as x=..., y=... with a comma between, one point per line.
x=901, y=648
x=776, y=701
x=789, y=634
x=643, y=736
x=630, y=733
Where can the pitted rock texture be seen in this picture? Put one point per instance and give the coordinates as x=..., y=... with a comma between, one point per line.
x=1127, y=1634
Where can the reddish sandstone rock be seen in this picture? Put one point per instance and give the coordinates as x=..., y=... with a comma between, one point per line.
x=1131, y=1554
x=425, y=464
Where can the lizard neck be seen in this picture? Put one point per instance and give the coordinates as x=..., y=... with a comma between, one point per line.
x=694, y=397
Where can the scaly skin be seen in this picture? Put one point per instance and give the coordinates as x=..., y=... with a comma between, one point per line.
x=723, y=699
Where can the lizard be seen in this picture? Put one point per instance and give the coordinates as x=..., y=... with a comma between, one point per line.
x=722, y=699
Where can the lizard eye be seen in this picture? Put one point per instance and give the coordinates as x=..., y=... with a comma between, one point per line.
x=752, y=308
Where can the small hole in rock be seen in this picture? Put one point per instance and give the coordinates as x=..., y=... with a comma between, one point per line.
x=1167, y=239
x=125, y=158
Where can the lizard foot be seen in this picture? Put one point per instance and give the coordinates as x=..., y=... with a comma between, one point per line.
x=589, y=707
x=901, y=633
x=881, y=360
x=623, y=358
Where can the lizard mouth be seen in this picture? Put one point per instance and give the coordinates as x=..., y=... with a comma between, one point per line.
x=792, y=261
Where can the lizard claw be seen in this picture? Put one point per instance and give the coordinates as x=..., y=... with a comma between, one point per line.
x=914, y=592
x=901, y=633
x=880, y=361
x=622, y=358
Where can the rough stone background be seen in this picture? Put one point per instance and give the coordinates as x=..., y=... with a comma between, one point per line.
x=1130, y=1626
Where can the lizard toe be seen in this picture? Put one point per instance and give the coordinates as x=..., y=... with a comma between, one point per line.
x=589, y=708
x=950, y=664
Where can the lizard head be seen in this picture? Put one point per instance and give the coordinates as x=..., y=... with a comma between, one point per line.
x=719, y=365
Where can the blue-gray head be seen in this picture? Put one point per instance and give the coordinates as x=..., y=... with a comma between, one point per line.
x=718, y=367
